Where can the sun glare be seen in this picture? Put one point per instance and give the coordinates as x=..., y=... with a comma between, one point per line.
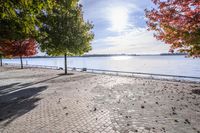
x=120, y=57
x=118, y=18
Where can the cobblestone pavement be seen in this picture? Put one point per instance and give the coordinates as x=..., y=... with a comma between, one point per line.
x=44, y=101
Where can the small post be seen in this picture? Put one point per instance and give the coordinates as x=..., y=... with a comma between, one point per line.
x=21, y=62
x=65, y=64
x=1, y=60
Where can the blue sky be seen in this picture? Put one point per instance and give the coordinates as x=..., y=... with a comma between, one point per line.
x=119, y=27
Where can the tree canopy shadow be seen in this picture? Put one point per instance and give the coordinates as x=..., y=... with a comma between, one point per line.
x=5, y=87
x=16, y=104
x=16, y=99
x=17, y=86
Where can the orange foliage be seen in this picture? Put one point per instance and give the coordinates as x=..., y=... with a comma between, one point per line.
x=22, y=48
x=177, y=22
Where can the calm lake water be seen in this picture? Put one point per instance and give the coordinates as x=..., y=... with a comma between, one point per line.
x=174, y=65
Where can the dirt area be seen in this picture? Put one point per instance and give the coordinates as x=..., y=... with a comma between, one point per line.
x=43, y=100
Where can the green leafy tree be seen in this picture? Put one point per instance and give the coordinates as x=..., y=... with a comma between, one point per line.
x=66, y=32
x=19, y=18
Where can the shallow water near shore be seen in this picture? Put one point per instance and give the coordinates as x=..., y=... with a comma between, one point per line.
x=173, y=65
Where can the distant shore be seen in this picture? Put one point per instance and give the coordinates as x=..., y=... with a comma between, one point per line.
x=110, y=55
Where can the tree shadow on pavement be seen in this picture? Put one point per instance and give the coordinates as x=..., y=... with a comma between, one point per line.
x=16, y=99
x=63, y=74
x=16, y=104
x=5, y=87
x=18, y=86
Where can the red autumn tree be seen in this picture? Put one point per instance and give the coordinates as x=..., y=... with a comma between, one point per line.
x=177, y=22
x=22, y=48
x=6, y=48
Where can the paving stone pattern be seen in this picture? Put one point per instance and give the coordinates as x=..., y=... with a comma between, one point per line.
x=45, y=101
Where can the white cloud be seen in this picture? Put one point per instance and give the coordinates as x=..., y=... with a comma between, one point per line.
x=135, y=41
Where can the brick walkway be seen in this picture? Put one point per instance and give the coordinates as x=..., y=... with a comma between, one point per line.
x=42, y=101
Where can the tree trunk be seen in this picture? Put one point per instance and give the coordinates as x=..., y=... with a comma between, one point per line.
x=21, y=62
x=65, y=64
x=1, y=60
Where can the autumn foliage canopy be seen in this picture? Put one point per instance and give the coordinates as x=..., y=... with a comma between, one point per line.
x=22, y=48
x=177, y=22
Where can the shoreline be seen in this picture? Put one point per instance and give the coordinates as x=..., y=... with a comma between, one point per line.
x=172, y=78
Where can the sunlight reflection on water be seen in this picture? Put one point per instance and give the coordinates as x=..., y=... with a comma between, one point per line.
x=120, y=57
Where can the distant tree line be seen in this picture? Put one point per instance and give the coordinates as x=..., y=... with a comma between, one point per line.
x=56, y=27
